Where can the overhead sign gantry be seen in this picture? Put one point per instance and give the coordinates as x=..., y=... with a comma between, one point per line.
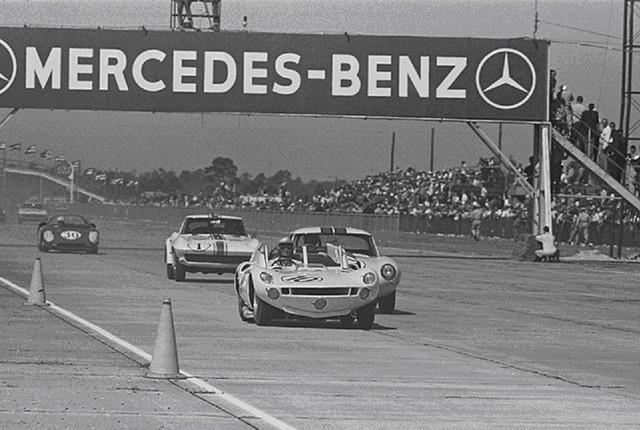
x=345, y=75
x=303, y=74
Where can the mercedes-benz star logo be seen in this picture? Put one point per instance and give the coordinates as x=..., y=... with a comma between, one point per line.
x=515, y=82
x=8, y=66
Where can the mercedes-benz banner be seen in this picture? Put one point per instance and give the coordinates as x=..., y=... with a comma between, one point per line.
x=301, y=74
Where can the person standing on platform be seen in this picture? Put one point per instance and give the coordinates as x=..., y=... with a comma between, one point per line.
x=617, y=154
x=604, y=142
x=591, y=119
x=184, y=13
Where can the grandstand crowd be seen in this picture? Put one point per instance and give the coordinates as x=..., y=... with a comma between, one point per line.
x=454, y=193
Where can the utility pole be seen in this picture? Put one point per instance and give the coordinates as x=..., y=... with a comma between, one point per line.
x=393, y=149
x=3, y=202
x=433, y=140
x=536, y=20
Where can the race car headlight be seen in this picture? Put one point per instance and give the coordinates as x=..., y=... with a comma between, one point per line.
x=388, y=272
x=94, y=237
x=364, y=293
x=273, y=293
x=266, y=278
x=48, y=236
x=369, y=278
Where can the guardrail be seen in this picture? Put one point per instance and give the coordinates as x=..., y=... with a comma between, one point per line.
x=384, y=227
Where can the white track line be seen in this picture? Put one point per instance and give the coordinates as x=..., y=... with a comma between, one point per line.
x=209, y=389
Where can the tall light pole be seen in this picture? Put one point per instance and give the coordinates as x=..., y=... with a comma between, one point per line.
x=71, y=180
x=59, y=159
x=3, y=147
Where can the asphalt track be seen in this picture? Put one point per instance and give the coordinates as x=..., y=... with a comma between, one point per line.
x=477, y=341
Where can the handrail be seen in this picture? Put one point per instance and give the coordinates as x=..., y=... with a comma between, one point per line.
x=627, y=179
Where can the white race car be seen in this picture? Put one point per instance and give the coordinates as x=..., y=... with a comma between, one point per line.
x=312, y=283
x=208, y=244
x=32, y=212
x=361, y=246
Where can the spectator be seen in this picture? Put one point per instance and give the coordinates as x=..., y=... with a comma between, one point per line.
x=184, y=13
x=578, y=134
x=566, y=100
x=530, y=170
x=477, y=214
x=580, y=227
x=557, y=114
x=591, y=119
x=548, y=241
x=633, y=164
x=617, y=153
x=604, y=142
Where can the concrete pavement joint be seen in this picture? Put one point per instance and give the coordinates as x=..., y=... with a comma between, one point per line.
x=145, y=358
x=511, y=366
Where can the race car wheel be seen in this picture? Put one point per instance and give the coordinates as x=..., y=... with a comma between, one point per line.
x=42, y=247
x=366, y=315
x=178, y=272
x=242, y=309
x=261, y=311
x=347, y=320
x=170, y=273
x=387, y=303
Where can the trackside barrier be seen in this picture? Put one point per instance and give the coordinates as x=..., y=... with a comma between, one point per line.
x=384, y=227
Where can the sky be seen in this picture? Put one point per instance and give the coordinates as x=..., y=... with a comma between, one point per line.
x=585, y=40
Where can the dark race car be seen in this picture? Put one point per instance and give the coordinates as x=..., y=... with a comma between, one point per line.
x=68, y=232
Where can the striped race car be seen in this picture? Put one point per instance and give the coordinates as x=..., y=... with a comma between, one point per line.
x=208, y=244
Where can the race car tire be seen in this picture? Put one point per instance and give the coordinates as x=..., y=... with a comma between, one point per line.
x=387, y=303
x=42, y=247
x=366, y=316
x=178, y=272
x=242, y=309
x=261, y=311
x=170, y=272
x=347, y=320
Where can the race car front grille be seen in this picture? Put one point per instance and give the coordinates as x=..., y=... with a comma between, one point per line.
x=32, y=217
x=220, y=259
x=71, y=246
x=340, y=291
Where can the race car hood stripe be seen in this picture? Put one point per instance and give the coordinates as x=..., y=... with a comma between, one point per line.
x=219, y=247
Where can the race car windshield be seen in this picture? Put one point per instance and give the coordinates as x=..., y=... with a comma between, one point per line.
x=355, y=243
x=69, y=220
x=205, y=226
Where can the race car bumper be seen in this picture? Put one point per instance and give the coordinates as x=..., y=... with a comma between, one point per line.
x=208, y=263
x=321, y=306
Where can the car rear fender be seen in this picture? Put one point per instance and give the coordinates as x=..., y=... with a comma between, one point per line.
x=168, y=251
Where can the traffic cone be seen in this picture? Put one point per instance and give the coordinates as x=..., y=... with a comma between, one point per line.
x=36, y=290
x=164, y=362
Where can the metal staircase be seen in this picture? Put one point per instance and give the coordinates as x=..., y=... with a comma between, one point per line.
x=594, y=168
